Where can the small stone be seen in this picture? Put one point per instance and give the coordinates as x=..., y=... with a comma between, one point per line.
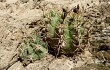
x=24, y=1
x=11, y=1
x=17, y=66
x=61, y=64
x=2, y=0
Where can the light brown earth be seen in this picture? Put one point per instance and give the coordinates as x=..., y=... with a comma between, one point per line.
x=15, y=17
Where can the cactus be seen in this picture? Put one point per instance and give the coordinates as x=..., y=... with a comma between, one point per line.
x=55, y=27
x=32, y=49
x=72, y=27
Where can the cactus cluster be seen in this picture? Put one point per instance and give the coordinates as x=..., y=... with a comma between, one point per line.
x=65, y=31
x=61, y=33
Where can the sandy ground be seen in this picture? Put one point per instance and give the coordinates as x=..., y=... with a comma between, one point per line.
x=15, y=17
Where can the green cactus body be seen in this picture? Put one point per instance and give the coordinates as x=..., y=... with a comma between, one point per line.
x=33, y=49
x=68, y=38
x=53, y=24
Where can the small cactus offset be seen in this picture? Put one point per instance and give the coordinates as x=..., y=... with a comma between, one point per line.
x=32, y=49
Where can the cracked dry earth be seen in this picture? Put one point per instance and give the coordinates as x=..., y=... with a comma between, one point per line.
x=15, y=17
